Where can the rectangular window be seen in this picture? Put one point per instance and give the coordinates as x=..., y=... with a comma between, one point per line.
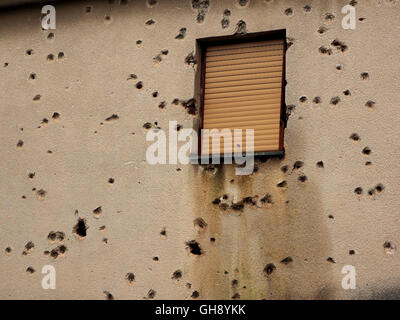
x=243, y=82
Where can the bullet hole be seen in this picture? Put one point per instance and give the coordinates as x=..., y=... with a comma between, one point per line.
x=28, y=248
x=49, y=151
x=161, y=105
x=29, y=52
x=202, y=7
x=243, y=3
x=41, y=194
x=149, y=22
x=329, y=17
x=105, y=241
x=102, y=228
x=216, y=201
x=111, y=180
x=331, y=260
x=366, y=151
x=287, y=260
x=335, y=100
x=30, y=271
x=302, y=178
x=181, y=34
x=364, y=76
x=155, y=259
x=225, y=19
x=139, y=85
x=32, y=76
x=352, y=252
x=123, y=2
x=289, y=43
x=355, y=137
x=322, y=30
x=298, y=164
x=303, y=99
x=353, y=3
x=139, y=43
x=361, y=19
x=147, y=125
x=178, y=128
x=325, y=50
x=164, y=52
x=347, y=92
x=50, y=57
x=285, y=168
x=56, y=236
x=195, y=294
x=320, y=164
x=20, y=143
x=379, y=188
x=130, y=278
x=282, y=184
x=80, y=229
x=151, y=3
x=307, y=8
x=61, y=55
x=212, y=239
x=371, y=192
x=289, y=11
x=331, y=216
x=37, y=98
x=235, y=283
x=151, y=294
x=358, y=190
x=108, y=295
x=339, y=45
x=317, y=100
x=370, y=104
x=267, y=199
x=190, y=106
x=368, y=163
x=194, y=247
x=269, y=268
x=389, y=247
x=88, y=9
x=241, y=28
x=199, y=224
x=132, y=77
x=163, y=233
x=339, y=67
x=177, y=275
x=8, y=250
x=97, y=212
x=155, y=94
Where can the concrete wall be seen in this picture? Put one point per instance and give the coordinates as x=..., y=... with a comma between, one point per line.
x=58, y=153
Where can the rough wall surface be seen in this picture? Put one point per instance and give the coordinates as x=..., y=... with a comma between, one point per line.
x=284, y=232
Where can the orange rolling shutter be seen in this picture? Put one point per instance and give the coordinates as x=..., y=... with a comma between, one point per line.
x=243, y=90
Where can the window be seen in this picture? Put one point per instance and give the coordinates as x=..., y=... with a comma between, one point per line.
x=242, y=81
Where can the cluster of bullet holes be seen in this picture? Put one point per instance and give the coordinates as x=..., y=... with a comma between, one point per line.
x=159, y=58
x=130, y=278
x=148, y=125
x=194, y=248
x=51, y=57
x=190, y=60
x=58, y=251
x=188, y=105
x=181, y=34
x=371, y=192
x=225, y=19
x=28, y=248
x=241, y=28
x=80, y=229
x=56, y=236
x=201, y=6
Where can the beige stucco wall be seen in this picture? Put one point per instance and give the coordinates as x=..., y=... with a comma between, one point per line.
x=308, y=221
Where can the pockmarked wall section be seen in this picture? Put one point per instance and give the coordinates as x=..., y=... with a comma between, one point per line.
x=78, y=194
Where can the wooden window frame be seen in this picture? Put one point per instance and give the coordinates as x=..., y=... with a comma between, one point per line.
x=201, y=46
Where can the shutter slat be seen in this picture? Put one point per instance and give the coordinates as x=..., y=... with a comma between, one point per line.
x=250, y=71
x=244, y=50
x=243, y=89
